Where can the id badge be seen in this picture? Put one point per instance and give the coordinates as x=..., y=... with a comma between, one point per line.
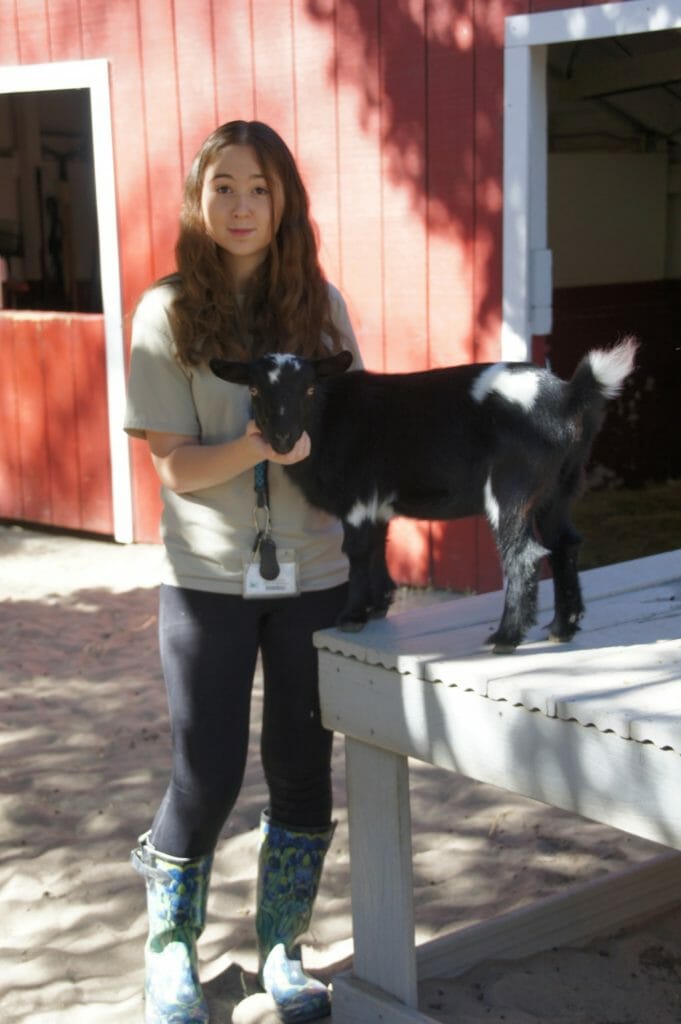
x=284, y=584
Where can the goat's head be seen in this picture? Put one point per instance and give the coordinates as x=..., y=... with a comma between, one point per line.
x=282, y=389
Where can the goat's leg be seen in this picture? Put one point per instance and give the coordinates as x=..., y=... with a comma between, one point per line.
x=568, y=603
x=381, y=584
x=359, y=546
x=567, y=592
x=521, y=556
x=563, y=542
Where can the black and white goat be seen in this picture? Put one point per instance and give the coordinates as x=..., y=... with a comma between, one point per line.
x=506, y=439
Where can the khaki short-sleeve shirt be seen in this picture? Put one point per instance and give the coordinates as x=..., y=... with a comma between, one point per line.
x=207, y=532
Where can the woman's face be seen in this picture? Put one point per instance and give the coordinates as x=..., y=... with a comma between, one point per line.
x=241, y=212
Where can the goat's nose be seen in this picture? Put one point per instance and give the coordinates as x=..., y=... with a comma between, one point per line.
x=283, y=441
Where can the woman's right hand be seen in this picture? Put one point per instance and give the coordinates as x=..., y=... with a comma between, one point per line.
x=183, y=464
x=300, y=450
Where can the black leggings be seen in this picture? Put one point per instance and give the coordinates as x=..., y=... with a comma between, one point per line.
x=209, y=644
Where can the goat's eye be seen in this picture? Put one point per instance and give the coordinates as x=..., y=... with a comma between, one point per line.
x=253, y=391
x=311, y=390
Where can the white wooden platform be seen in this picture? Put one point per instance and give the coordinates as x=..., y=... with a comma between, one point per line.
x=593, y=727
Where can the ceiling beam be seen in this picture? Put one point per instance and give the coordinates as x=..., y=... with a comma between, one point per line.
x=628, y=74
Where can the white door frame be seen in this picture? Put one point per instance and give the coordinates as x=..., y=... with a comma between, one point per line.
x=94, y=75
x=526, y=260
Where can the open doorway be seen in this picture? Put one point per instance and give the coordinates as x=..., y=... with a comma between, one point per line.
x=614, y=214
x=592, y=239
x=49, y=246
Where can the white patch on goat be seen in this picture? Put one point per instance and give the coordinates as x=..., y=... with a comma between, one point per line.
x=375, y=510
x=281, y=359
x=491, y=505
x=520, y=387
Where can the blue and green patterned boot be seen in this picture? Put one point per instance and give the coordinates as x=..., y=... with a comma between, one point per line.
x=289, y=869
x=177, y=889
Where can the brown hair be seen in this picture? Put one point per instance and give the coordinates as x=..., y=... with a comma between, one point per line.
x=286, y=307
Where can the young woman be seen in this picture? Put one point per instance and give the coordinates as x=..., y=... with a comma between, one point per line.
x=248, y=282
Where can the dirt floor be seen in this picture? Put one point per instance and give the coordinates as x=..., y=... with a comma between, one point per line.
x=619, y=524
x=84, y=734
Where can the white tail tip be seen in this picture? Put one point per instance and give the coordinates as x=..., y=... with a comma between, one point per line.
x=611, y=367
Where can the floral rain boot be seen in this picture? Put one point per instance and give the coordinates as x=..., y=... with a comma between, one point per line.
x=177, y=889
x=289, y=868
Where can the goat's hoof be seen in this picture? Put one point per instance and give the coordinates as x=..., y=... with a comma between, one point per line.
x=378, y=613
x=562, y=634
x=501, y=645
x=504, y=648
x=351, y=625
x=557, y=638
x=563, y=637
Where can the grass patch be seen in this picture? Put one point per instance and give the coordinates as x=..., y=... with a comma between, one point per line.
x=621, y=524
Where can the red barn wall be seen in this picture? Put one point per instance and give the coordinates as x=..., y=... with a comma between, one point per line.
x=394, y=111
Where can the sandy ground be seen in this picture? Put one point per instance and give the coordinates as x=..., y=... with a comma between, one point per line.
x=84, y=738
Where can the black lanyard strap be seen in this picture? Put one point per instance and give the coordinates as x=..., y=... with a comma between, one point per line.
x=262, y=490
x=264, y=545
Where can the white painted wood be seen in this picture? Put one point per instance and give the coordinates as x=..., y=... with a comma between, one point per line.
x=597, y=22
x=358, y=1002
x=585, y=912
x=541, y=285
x=94, y=75
x=381, y=869
x=112, y=302
x=414, y=631
x=628, y=785
x=471, y=712
x=524, y=216
x=442, y=645
x=612, y=691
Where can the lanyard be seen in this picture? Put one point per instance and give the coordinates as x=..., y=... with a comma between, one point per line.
x=262, y=490
x=264, y=545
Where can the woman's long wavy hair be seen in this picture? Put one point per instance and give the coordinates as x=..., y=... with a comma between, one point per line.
x=286, y=307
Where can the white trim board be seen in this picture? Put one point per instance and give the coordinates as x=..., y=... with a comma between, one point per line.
x=526, y=260
x=94, y=75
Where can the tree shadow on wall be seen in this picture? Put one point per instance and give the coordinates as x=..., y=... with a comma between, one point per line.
x=429, y=85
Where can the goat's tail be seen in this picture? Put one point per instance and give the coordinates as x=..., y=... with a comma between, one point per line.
x=601, y=375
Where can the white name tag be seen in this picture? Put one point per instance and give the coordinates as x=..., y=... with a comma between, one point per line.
x=284, y=585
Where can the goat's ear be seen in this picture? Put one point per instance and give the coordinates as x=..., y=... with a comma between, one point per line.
x=331, y=365
x=237, y=373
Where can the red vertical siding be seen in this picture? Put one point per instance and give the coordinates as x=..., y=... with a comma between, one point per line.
x=196, y=74
x=9, y=36
x=395, y=114
x=64, y=30
x=32, y=28
x=234, y=74
x=11, y=504
x=57, y=360
x=162, y=171
x=314, y=86
x=91, y=414
x=31, y=410
x=356, y=34
x=54, y=453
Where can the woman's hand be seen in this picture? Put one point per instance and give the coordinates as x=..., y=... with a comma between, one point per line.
x=184, y=464
x=300, y=450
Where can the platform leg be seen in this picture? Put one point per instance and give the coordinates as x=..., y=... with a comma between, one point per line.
x=381, y=869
